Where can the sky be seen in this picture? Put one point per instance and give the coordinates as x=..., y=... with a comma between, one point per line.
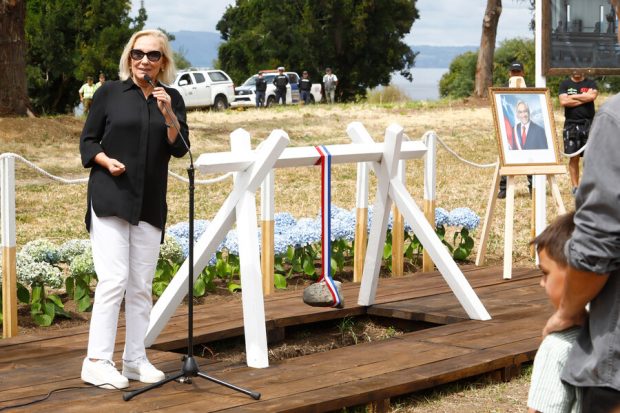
x=441, y=22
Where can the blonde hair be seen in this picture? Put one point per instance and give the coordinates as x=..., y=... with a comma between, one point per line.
x=168, y=69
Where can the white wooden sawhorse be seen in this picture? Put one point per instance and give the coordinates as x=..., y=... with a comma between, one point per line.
x=251, y=167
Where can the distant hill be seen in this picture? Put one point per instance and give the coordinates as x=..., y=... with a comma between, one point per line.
x=200, y=48
x=438, y=56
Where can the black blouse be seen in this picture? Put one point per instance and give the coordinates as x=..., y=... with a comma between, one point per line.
x=130, y=128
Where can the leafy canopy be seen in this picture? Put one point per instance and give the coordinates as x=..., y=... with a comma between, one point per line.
x=361, y=40
x=69, y=40
x=459, y=81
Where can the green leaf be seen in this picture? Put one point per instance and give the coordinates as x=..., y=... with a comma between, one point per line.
x=280, y=281
x=56, y=300
x=200, y=287
x=23, y=294
x=387, y=251
x=159, y=287
x=42, y=319
x=37, y=293
x=460, y=254
x=290, y=253
x=309, y=267
x=232, y=287
x=69, y=286
x=84, y=304
x=50, y=309
x=334, y=265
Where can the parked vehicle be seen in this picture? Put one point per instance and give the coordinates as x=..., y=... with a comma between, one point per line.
x=245, y=95
x=205, y=88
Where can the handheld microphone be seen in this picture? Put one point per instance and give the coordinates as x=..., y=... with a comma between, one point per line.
x=149, y=80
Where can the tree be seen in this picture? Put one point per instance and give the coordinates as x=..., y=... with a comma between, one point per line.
x=361, y=40
x=484, y=66
x=13, y=96
x=458, y=82
x=70, y=40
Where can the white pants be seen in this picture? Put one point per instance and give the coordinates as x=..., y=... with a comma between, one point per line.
x=125, y=258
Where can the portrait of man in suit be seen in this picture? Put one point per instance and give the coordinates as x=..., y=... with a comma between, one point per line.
x=528, y=135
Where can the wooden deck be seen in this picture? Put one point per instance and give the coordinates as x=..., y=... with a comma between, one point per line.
x=30, y=366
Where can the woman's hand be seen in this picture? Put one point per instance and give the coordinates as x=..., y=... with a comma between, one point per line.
x=113, y=166
x=164, y=104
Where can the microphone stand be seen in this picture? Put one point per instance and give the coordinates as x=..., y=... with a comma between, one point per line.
x=190, y=367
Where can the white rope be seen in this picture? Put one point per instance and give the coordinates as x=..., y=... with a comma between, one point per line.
x=42, y=171
x=460, y=158
x=85, y=180
x=201, y=181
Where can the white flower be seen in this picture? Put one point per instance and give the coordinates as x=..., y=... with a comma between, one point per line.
x=42, y=250
x=31, y=272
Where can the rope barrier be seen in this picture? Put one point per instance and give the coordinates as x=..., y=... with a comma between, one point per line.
x=460, y=158
x=85, y=180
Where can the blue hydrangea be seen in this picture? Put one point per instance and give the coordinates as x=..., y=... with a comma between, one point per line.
x=83, y=266
x=464, y=217
x=31, y=272
x=180, y=232
x=72, y=249
x=342, y=223
x=42, y=250
x=442, y=217
x=283, y=221
x=306, y=232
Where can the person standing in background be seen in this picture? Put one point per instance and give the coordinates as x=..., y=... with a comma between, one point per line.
x=100, y=82
x=281, y=81
x=127, y=142
x=577, y=95
x=304, y=87
x=330, y=82
x=86, y=92
x=261, y=88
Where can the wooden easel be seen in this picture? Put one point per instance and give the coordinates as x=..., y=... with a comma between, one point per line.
x=510, y=172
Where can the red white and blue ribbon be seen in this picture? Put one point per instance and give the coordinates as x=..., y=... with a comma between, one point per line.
x=326, y=230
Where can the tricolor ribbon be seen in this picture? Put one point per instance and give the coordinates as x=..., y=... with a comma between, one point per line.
x=326, y=229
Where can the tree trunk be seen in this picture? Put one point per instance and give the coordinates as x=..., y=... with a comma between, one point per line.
x=13, y=93
x=484, y=66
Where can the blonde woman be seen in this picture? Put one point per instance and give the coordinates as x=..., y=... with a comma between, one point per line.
x=127, y=141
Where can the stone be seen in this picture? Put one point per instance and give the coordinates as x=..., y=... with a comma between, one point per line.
x=318, y=295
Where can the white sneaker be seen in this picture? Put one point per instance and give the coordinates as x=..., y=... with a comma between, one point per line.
x=102, y=373
x=142, y=370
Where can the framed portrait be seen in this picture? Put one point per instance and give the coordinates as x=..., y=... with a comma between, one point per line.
x=524, y=126
x=580, y=35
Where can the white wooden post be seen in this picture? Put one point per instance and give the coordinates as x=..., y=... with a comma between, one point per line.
x=249, y=266
x=361, y=221
x=398, y=229
x=267, y=208
x=430, y=161
x=254, y=168
x=385, y=171
x=9, y=273
x=361, y=207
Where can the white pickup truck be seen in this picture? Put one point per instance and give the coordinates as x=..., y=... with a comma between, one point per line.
x=205, y=88
x=245, y=95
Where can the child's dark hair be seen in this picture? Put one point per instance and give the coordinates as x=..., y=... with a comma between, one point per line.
x=553, y=238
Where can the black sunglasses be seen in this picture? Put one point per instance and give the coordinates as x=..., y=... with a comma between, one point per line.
x=153, y=56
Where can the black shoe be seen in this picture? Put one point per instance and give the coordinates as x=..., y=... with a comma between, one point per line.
x=501, y=194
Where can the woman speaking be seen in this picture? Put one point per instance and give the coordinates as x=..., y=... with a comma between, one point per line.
x=127, y=141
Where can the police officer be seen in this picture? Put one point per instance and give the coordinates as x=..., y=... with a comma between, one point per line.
x=280, y=81
x=261, y=87
x=304, y=87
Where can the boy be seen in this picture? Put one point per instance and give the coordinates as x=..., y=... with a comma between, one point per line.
x=548, y=394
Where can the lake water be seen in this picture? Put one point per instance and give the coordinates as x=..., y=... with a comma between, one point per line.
x=425, y=85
